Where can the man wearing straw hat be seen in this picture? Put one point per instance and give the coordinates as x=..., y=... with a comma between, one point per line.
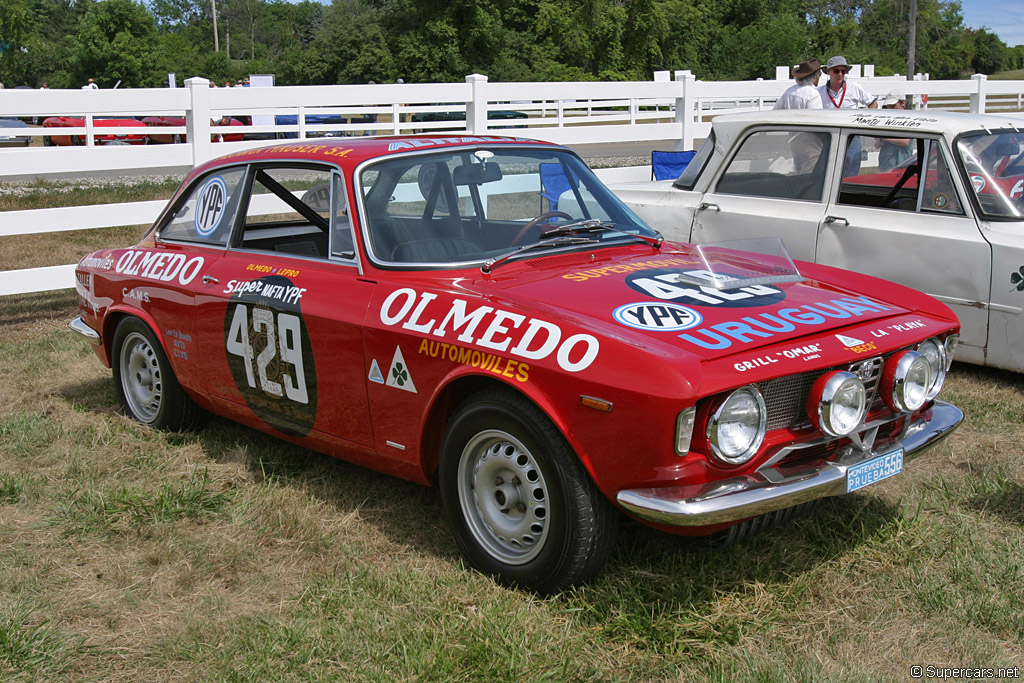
x=804, y=94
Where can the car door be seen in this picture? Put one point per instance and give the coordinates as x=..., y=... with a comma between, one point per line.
x=281, y=313
x=772, y=186
x=889, y=224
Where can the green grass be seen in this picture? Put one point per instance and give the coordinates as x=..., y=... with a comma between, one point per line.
x=226, y=555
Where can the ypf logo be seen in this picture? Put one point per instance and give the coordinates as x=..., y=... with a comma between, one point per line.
x=210, y=206
x=655, y=315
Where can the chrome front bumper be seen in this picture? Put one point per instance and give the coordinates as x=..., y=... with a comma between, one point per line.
x=737, y=498
x=79, y=326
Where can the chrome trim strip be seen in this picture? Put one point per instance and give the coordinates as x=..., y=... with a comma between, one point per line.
x=79, y=326
x=738, y=498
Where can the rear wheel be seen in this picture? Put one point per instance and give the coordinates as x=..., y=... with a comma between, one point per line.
x=145, y=382
x=519, y=501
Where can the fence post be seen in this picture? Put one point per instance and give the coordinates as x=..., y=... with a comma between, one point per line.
x=978, y=98
x=476, y=108
x=197, y=119
x=684, y=109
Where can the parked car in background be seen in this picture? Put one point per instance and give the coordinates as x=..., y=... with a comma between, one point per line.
x=483, y=314
x=311, y=120
x=936, y=202
x=216, y=122
x=9, y=129
x=105, y=138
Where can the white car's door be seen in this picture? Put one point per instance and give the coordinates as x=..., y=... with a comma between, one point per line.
x=885, y=222
x=772, y=186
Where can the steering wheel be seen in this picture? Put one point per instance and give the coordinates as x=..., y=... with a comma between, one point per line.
x=526, y=228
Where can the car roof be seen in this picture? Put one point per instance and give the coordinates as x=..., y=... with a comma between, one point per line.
x=351, y=151
x=948, y=124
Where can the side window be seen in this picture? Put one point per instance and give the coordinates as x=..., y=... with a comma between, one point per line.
x=939, y=194
x=342, y=241
x=781, y=164
x=208, y=213
x=289, y=211
x=888, y=175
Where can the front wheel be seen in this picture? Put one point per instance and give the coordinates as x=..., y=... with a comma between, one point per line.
x=146, y=384
x=519, y=501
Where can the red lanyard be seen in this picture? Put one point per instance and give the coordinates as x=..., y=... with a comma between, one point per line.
x=841, y=98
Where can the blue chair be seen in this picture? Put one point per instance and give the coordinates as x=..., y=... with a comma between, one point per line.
x=553, y=183
x=669, y=165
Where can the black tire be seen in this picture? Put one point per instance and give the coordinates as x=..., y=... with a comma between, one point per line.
x=76, y=141
x=520, y=504
x=146, y=384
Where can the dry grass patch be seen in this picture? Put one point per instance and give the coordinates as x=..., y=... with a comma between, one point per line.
x=226, y=555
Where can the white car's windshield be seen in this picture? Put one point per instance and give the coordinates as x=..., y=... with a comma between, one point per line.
x=995, y=165
x=473, y=205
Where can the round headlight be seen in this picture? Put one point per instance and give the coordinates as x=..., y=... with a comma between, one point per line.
x=906, y=381
x=935, y=353
x=952, y=341
x=837, y=403
x=738, y=425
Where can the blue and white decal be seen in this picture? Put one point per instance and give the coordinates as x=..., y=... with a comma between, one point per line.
x=212, y=201
x=665, y=284
x=753, y=328
x=658, y=315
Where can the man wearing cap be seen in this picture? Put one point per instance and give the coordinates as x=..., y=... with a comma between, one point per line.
x=804, y=94
x=893, y=151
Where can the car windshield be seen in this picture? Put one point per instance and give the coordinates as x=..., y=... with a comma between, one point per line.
x=465, y=206
x=995, y=164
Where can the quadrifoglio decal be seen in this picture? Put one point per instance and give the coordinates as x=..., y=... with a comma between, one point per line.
x=489, y=328
x=269, y=353
x=767, y=325
x=665, y=284
x=159, y=266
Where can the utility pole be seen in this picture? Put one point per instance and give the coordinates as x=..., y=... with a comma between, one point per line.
x=912, y=40
x=216, y=37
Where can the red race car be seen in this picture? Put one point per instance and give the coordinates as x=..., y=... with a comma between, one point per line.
x=164, y=138
x=483, y=314
x=110, y=138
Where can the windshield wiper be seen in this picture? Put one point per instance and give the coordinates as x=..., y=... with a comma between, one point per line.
x=592, y=225
x=490, y=264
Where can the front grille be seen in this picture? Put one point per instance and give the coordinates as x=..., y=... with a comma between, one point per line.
x=786, y=397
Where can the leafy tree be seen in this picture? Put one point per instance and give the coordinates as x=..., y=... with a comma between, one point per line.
x=116, y=42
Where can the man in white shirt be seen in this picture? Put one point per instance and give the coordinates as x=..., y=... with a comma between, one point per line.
x=804, y=94
x=838, y=93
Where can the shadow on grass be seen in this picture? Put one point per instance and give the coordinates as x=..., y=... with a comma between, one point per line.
x=1003, y=498
x=29, y=308
x=674, y=576
x=92, y=396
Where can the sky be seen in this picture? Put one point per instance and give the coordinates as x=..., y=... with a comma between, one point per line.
x=1001, y=17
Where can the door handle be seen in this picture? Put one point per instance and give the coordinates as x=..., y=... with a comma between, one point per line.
x=836, y=219
x=706, y=205
x=208, y=280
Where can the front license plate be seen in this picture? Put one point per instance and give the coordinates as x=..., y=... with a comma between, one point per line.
x=876, y=469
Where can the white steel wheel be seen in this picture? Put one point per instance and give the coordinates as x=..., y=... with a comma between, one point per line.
x=521, y=506
x=141, y=378
x=146, y=383
x=504, y=496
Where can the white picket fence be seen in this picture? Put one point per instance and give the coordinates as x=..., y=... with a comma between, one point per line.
x=674, y=107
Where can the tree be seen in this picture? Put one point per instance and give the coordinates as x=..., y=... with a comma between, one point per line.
x=116, y=42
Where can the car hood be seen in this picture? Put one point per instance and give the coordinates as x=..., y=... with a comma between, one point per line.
x=636, y=295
